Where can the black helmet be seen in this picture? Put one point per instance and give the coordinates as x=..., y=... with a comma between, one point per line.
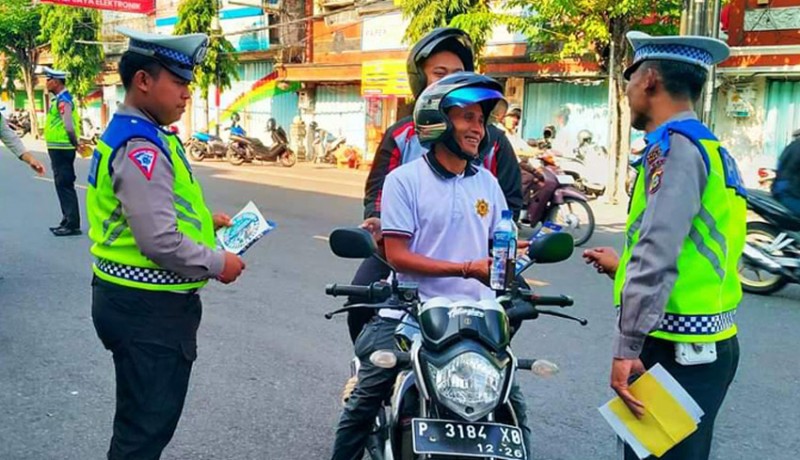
x=235, y=117
x=440, y=39
x=271, y=124
x=456, y=90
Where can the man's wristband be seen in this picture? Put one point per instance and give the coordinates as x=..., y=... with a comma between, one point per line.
x=465, y=269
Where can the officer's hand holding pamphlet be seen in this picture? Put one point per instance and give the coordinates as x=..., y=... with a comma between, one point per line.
x=244, y=229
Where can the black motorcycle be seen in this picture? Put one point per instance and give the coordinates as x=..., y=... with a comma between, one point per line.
x=243, y=149
x=771, y=257
x=455, y=363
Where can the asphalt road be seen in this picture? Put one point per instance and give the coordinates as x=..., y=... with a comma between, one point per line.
x=270, y=368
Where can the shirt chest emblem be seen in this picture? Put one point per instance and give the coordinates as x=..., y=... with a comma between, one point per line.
x=482, y=207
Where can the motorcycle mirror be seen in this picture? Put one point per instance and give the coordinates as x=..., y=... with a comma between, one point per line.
x=551, y=248
x=352, y=243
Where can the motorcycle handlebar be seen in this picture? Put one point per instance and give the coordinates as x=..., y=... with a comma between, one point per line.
x=375, y=292
x=555, y=301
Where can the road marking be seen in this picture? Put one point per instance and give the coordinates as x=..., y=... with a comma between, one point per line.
x=537, y=283
x=83, y=187
x=320, y=237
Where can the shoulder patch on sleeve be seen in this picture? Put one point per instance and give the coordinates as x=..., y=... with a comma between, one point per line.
x=145, y=159
x=62, y=107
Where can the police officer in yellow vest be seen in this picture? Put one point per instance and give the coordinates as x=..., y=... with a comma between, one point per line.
x=153, y=243
x=61, y=133
x=676, y=282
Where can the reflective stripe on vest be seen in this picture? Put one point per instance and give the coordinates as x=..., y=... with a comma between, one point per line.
x=117, y=256
x=55, y=132
x=702, y=304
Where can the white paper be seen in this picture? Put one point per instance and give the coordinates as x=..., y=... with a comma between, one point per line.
x=249, y=225
x=623, y=431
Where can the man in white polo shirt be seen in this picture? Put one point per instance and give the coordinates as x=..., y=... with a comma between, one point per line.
x=439, y=213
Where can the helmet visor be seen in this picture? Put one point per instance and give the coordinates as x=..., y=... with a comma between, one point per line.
x=491, y=100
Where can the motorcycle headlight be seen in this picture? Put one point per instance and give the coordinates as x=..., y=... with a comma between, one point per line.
x=469, y=385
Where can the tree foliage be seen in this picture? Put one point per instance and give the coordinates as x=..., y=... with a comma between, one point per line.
x=197, y=16
x=20, y=40
x=64, y=28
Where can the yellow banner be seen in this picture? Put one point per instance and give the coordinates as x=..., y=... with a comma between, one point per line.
x=384, y=78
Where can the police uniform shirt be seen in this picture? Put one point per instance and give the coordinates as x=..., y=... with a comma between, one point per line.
x=10, y=138
x=447, y=217
x=65, y=110
x=147, y=197
x=674, y=182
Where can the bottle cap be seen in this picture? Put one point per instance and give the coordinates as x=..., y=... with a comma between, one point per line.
x=507, y=214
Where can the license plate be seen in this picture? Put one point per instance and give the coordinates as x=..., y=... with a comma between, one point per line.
x=565, y=179
x=482, y=440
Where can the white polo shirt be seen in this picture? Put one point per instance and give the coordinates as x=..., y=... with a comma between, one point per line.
x=447, y=217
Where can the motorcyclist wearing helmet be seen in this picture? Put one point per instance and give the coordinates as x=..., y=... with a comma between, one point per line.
x=451, y=118
x=786, y=187
x=441, y=52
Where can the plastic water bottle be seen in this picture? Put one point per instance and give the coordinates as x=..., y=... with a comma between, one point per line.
x=504, y=252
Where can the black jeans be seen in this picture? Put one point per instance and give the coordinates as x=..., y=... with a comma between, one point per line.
x=706, y=383
x=153, y=339
x=370, y=271
x=375, y=384
x=63, y=164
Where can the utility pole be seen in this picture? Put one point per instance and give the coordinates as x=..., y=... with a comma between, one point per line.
x=216, y=31
x=713, y=11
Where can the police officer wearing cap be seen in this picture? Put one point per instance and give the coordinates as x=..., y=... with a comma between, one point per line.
x=676, y=283
x=61, y=133
x=153, y=243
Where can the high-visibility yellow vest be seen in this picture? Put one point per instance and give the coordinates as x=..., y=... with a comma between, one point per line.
x=703, y=301
x=117, y=256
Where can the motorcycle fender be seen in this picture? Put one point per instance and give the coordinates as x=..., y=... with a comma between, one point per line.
x=564, y=192
x=406, y=381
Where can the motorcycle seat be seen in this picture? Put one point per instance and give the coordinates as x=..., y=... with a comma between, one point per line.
x=206, y=137
x=765, y=205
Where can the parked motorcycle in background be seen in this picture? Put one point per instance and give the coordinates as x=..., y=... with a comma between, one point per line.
x=244, y=149
x=771, y=257
x=454, y=360
x=20, y=122
x=204, y=145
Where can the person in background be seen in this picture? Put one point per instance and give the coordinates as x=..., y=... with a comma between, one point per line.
x=61, y=133
x=786, y=188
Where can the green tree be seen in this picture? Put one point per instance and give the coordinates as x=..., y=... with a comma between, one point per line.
x=220, y=65
x=19, y=40
x=559, y=29
x=426, y=15
x=66, y=29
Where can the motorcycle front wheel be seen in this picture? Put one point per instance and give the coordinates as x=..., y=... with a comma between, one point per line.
x=234, y=157
x=288, y=159
x=754, y=279
x=576, y=218
x=196, y=151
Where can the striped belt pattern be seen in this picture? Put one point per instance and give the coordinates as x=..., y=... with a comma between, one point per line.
x=698, y=324
x=154, y=276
